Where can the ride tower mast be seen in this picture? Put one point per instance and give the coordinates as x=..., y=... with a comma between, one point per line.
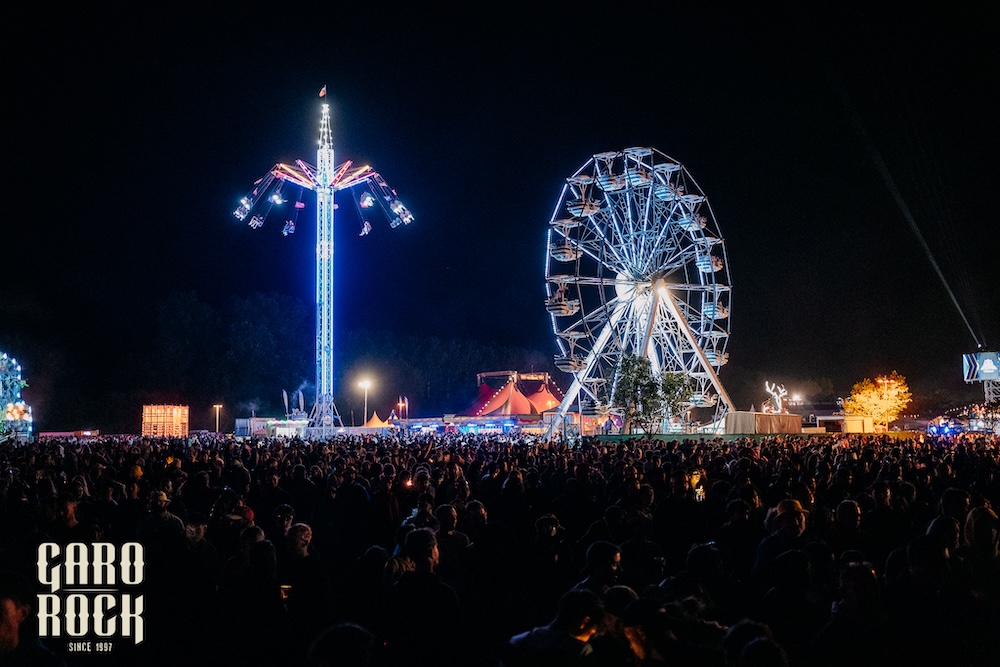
x=325, y=179
x=324, y=412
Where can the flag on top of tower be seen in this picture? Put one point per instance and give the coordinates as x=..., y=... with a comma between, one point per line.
x=322, y=92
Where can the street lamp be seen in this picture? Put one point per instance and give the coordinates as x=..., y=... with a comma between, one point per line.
x=218, y=407
x=365, y=384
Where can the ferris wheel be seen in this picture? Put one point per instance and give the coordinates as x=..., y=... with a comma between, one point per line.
x=636, y=265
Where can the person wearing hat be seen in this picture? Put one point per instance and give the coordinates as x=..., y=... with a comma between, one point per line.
x=160, y=530
x=789, y=532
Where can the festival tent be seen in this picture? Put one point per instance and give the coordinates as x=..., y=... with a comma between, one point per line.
x=376, y=422
x=543, y=399
x=508, y=400
x=514, y=393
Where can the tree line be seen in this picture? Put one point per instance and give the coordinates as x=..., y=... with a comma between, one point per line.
x=247, y=351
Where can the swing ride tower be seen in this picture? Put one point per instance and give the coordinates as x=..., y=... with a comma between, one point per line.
x=324, y=179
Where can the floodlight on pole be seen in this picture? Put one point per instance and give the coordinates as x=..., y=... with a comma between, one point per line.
x=218, y=408
x=365, y=384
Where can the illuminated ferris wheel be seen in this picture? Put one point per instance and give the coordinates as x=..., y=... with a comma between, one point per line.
x=636, y=265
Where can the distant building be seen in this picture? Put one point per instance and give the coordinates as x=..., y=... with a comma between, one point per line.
x=165, y=420
x=81, y=434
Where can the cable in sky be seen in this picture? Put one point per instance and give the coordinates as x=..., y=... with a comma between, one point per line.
x=889, y=181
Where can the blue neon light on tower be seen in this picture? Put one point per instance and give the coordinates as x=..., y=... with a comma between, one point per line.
x=325, y=179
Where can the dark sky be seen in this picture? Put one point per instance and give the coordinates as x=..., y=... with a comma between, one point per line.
x=131, y=134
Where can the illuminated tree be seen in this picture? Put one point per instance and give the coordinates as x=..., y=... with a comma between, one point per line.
x=882, y=399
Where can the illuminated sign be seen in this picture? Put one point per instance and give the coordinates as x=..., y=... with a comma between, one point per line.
x=981, y=366
x=93, y=594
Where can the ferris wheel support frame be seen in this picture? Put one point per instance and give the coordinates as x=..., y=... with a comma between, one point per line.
x=647, y=339
x=576, y=385
x=712, y=375
x=661, y=294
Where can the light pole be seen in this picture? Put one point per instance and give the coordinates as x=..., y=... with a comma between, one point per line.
x=218, y=407
x=365, y=384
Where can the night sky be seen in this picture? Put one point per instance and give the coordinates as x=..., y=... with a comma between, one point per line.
x=824, y=140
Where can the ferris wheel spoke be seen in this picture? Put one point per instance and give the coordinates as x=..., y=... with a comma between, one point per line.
x=597, y=317
x=595, y=254
x=609, y=217
x=673, y=242
x=607, y=282
x=698, y=287
x=616, y=250
x=674, y=256
x=591, y=358
x=650, y=226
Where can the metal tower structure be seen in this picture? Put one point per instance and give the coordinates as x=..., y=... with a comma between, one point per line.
x=15, y=414
x=325, y=179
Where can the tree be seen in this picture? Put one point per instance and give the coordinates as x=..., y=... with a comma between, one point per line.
x=644, y=398
x=268, y=342
x=676, y=389
x=188, y=346
x=882, y=400
x=637, y=394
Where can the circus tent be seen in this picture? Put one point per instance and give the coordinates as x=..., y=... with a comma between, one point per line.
x=517, y=394
x=543, y=399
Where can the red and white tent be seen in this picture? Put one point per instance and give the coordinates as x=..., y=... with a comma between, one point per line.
x=519, y=394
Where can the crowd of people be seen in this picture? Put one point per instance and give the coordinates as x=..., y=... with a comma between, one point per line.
x=506, y=550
